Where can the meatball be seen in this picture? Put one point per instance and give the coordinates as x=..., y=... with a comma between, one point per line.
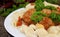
x=27, y=15
x=46, y=22
x=58, y=10
x=47, y=11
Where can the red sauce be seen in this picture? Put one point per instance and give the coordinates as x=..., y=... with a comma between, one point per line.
x=19, y=22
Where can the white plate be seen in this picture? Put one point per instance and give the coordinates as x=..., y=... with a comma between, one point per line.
x=8, y=23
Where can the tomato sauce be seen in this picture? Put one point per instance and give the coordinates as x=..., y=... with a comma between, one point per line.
x=19, y=22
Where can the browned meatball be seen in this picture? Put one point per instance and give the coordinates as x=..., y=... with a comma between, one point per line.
x=58, y=10
x=27, y=15
x=46, y=22
x=47, y=11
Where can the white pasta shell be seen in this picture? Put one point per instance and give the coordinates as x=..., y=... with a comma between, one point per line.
x=53, y=30
x=31, y=35
x=29, y=6
x=46, y=3
x=23, y=28
x=33, y=26
x=53, y=35
x=29, y=32
x=41, y=32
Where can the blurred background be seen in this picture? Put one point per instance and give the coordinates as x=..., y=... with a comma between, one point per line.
x=7, y=6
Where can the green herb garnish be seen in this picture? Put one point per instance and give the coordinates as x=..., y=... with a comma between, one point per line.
x=37, y=16
x=22, y=5
x=50, y=7
x=55, y=17
x=52, y=1
x=39, y=5
x=58, y=17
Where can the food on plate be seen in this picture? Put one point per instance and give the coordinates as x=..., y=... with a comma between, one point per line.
x=47, y=22
x=30, y=6
x=40, y=20
x=33, y=26
x=23, y=28
x=39, y=26
x=27, y=15
x=58, y=9
x=53, y=30
x=19, y=22
x=41, y=32
x=47, y=11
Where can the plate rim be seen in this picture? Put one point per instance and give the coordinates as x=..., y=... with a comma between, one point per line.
x=6, y=19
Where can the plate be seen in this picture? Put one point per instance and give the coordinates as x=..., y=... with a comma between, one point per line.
x=9, y=20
